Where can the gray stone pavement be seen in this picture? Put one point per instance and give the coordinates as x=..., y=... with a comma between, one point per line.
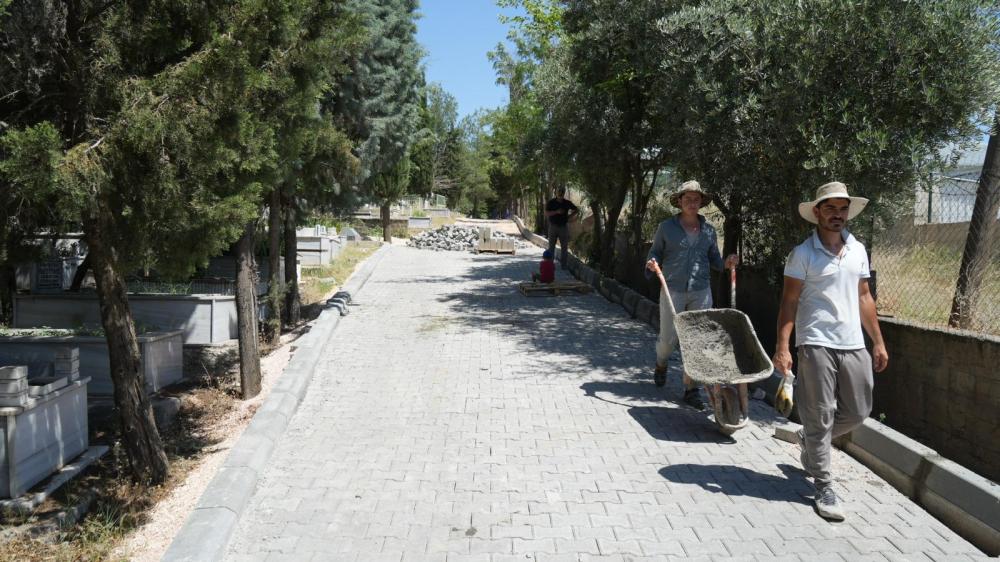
x=452, y=419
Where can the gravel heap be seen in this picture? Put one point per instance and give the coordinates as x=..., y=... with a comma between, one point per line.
x=448, y=237
x=455, y=238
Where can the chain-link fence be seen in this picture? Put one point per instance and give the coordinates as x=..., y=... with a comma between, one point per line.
x=917, y=260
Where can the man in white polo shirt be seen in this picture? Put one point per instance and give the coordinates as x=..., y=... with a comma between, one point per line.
x=827, y=300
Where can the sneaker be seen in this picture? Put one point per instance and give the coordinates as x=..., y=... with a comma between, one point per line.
x=660, y=375
x=828, y=504
x=692, y=397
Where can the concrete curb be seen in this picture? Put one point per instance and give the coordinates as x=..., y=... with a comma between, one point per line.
x=206, y=533
x=968, y=503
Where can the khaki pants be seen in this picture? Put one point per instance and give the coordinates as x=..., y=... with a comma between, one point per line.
x=834, y=396
x=560, y=233
x=683, y=300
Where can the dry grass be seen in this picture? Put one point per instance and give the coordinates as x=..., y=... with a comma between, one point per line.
x=318, y=282
x=917, y=283
x=119, y=506
x=438, y=222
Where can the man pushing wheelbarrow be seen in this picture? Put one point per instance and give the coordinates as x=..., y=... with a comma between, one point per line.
x=720, y=347
x=685, y=248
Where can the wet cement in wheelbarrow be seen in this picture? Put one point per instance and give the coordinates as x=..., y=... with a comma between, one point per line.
x=717, y=352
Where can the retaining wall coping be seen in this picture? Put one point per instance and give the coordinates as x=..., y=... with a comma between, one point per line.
x=953, y=332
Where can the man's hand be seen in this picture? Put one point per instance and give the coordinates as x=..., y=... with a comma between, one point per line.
x=732, y=260
x=652, y=265
x=782, y=361
x=880, y=357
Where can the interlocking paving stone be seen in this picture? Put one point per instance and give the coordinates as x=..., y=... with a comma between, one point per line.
x=451, y=418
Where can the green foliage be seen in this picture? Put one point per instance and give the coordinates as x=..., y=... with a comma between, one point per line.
x=430, y=151
x=760, y=100
x=378, y=99
x=776, y=104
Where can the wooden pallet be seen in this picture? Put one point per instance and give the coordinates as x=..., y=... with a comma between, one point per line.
x=554, y=289
x=495, y=251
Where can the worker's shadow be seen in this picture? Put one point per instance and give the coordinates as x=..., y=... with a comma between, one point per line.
x=674, y=422
x=791, y=486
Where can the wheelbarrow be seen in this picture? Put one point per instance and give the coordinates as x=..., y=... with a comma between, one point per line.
x=721, y=352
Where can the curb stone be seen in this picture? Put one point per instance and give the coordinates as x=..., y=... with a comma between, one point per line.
x=206, y=533
x=966, y=502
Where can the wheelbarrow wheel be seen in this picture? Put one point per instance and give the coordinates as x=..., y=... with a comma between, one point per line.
x=726, y=405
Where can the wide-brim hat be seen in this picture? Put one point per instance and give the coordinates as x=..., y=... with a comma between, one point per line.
x=832, y=190
x=687, y=186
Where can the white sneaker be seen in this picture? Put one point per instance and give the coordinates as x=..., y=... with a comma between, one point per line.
x=828, y=504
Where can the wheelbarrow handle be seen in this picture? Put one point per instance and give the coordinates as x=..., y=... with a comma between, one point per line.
x=732, y=287
x=663, y=284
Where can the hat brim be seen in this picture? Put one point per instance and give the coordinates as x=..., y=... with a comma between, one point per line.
x=706, y=198
x=858, y=204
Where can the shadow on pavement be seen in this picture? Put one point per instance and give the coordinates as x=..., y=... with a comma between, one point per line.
x=585, y=331
x=678, y=424
x=791, y=487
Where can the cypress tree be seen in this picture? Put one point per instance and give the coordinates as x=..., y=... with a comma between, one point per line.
x=379, y=100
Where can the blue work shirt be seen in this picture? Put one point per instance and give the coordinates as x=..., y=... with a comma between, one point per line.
x=685, y=265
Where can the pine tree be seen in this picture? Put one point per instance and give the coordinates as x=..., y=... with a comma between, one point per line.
x=379, y=99
x=150, y=125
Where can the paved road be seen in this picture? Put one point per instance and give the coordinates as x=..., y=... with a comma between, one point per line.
x=452, y=419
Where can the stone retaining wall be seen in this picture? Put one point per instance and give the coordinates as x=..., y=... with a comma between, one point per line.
x=942, y=387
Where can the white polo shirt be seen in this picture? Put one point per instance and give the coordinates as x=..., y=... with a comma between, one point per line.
x=829, y=314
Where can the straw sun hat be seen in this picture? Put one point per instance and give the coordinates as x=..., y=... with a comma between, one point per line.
x=832, y=190
x=687, y=186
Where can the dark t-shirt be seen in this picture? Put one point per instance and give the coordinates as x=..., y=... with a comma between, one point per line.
x=562, y=218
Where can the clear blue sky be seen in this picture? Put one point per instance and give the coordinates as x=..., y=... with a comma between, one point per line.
x=456, y=35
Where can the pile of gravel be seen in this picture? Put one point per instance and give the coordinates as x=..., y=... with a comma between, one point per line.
x=456, y=238
x=448, y=237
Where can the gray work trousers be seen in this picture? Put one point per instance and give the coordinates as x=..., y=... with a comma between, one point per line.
x=834, y=396
x=560, y=233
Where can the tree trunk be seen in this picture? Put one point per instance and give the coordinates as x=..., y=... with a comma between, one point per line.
x=8, y=288
x=977, y=244
x=293, y=306
x=143, y=446
x=246, y=313
x=595, y=239
x=274, y=289
x=610, y=230
x=541, y=222
x=80, y=274
x=384, y=214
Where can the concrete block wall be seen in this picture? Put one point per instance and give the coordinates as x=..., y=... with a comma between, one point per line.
x=942, y=387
